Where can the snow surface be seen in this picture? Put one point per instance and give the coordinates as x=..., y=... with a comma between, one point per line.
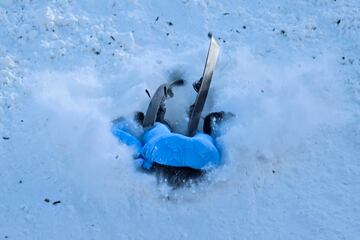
x=289, y=70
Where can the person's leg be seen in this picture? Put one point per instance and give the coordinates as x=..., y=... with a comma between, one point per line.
x=213, y=120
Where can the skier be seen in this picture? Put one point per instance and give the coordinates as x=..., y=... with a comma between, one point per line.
x=175, y=157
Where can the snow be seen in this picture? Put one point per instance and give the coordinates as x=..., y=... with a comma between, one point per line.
x=289, y=70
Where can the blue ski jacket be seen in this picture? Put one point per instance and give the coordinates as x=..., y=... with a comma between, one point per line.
x=160, y=145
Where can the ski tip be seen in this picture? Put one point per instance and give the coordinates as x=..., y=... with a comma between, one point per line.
x=212, y=39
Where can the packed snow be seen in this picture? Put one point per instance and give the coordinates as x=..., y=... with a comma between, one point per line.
x=288, y=70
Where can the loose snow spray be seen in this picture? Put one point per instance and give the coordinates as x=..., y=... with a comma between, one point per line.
x=276, y=105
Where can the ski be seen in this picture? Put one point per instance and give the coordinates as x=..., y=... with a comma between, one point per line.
x=156, y=109
x=205, y=81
